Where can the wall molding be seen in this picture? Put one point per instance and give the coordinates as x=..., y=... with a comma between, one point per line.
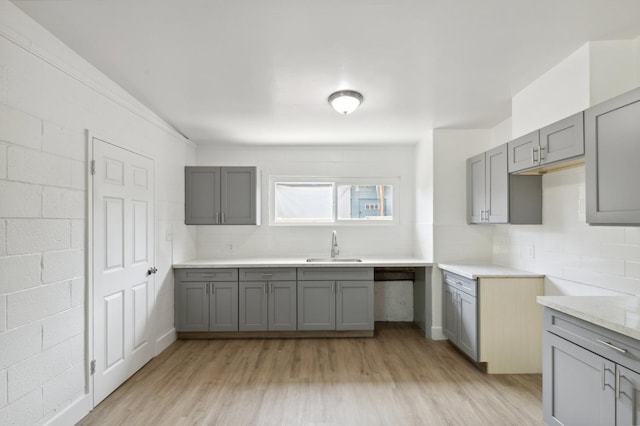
x=73, y=413
x=164, y=341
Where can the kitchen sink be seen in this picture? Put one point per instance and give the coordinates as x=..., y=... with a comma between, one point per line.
x=332, y=259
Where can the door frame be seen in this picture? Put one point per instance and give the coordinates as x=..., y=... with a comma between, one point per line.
x=90, y=263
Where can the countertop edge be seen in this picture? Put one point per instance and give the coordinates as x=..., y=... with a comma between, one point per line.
x=554, y=302
x=298, y=263
x=474, y=271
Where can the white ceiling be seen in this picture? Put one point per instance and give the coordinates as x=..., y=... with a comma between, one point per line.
x=260, y=71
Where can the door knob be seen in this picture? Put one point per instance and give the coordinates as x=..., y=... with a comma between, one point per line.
x=152, y=270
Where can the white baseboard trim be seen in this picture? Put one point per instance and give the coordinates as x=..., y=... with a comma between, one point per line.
x=73, y=413
x=165, y=341
x=436, y=334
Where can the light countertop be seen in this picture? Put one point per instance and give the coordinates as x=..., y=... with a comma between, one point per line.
x=616, y=313
x=484, y=270
x=299, y=263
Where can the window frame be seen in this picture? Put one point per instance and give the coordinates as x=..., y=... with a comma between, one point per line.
x=394, y=182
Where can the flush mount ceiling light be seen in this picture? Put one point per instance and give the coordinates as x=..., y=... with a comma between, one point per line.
x=345, y=101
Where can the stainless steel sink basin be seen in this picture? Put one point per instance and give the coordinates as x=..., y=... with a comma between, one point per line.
x=332, y=259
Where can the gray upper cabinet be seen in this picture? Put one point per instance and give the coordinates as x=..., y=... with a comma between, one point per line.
x=220, y=196
x=612, y=135
x=555, y=143
x=495, y=196
x=562, y=140
x=488, y=187
x=522, y=152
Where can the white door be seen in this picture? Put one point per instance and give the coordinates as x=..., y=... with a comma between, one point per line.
x=123, y=280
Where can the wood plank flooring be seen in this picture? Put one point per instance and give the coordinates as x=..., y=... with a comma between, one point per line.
x=395, y=378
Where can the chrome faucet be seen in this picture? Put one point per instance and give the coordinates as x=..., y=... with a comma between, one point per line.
x=334, y=244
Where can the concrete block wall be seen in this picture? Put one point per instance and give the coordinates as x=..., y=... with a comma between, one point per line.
x=48, y=97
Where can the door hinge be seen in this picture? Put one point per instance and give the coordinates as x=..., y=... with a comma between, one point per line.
x=92, y=367
x=93, y=167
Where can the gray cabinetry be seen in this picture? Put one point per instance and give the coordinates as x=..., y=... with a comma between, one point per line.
x=612, y=132
x=335, y=299
x=267, y=299
x=488, y=187
x=459, y=311
x=206, y=300
x=493, y=196
x=220, y=196
x=557, y=142
x=589, y=373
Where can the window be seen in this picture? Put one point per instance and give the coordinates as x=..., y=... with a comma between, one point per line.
x=309, y=201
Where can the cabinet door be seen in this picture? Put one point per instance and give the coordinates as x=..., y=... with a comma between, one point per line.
x=562, y=140
x=192, y=309
x=577, y=385
x=628, y=399
x=202, y=198
x=282, y=305
x=612, y=132
x=523, y=152
x=316, y=305
x=450, y=313
x=468, y=325
x=497, y=186
x=354, y=305
x=252, y=306
x=476, y=187
x=238, y=195
x=223, y=306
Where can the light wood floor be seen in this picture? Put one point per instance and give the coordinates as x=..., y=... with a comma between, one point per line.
x=395, y=378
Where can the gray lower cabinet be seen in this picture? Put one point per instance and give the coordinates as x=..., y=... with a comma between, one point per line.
x=460, y=313
x=221, y=196
x=206, y=300
x=267, y=299
x=585, y=380
x=557, y=142
x=612, y=132
x=335, y=299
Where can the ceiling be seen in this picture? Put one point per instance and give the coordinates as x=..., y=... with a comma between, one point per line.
x=260, y=72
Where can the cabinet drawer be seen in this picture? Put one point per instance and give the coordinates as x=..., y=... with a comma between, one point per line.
x=207, y=274
x=594, y=338
x=333, y=274
x=267, y=274
x=461, y=283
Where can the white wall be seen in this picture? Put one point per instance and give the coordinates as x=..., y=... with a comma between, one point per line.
x=424, y=188
x=454, y=240
x=576, y=258
x=48, y=97
x=313, y=241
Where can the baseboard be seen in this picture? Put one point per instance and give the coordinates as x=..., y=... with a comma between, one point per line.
x=73, y=413
x=436, y=334
x=164, y=341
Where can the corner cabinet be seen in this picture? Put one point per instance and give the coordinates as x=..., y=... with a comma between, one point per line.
x=590, y=374
x=612, y=135
x=267, y=299
x=335, y=299
x=494, y=196
x=221, y=196
x=206, y=300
